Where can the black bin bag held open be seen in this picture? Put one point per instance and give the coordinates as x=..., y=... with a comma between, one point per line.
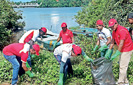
x=102, y=72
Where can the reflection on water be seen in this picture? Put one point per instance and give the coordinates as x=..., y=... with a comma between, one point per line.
x=51, y=18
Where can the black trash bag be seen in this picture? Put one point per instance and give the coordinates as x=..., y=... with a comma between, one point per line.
x=21, y=70
x=102, y=72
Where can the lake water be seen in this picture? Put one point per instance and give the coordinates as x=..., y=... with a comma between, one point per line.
x=51, y=18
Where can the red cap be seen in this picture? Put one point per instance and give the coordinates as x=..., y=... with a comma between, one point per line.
x=37, y=48
x=77, y=50
x=63, y=24
x=44, y=29
x=99, y=22
x=112, y=22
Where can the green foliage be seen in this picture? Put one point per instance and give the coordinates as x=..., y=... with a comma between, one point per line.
x=104, y=10
x=8, y=22
x=46, y=68
x=60, y=3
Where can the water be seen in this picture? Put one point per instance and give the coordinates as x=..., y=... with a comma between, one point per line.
x=51, y=18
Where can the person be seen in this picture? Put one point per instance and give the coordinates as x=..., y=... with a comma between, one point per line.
x=30, y=37
x=63, y=53
x=12, y=51
x=130, y=20
x=124, y=42
x=104, y=38
x=65, y=34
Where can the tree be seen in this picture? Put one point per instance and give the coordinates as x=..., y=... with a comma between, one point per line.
x=104, y=10
x=8, y=22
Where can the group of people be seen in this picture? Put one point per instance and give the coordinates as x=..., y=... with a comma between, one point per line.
x=26, y=47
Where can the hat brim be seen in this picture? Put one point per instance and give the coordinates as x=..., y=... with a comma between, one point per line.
x=111, y=25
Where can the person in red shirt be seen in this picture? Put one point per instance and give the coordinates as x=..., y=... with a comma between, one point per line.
x=30, y=37
x=65, y=34
x=124, y=42
x=12, y=51
x=130, y=20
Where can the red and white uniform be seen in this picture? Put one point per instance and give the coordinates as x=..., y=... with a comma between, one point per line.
x=122, y=33
x=17, y=50
x=64, y=50
x=30, y=35
x=66, y=36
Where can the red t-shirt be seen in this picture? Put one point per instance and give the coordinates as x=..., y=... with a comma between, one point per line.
x=14, y=49
x=66, y=36
x=122, y=33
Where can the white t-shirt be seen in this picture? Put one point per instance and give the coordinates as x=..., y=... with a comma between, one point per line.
x=64, y=50
x=103, y=35
x=34, y=37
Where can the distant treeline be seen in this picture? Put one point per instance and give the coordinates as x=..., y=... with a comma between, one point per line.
x=59, y=3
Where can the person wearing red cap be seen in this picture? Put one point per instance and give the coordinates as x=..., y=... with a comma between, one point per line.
x=12, y=51
x=66, y=35
x=130, y=20
x=30, y=37
x=121, y=36
x=63, y=53
x=104, y=38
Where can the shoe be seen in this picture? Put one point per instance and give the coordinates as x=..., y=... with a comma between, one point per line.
x=126, y=84
x=119, y=83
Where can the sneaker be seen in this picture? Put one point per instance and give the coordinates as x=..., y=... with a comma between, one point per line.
x=126, y=84
x=119, y=83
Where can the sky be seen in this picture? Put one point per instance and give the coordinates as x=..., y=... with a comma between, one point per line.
x=21, y=0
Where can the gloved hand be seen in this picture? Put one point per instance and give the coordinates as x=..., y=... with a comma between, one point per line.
x=96, y=47
x=30, y=74
x=108, y=53
x=27, y=65
x=55, y=45
x=115, y=55
x=87, y=58
x=90, y=59
x=60, y=82
x=103, y=47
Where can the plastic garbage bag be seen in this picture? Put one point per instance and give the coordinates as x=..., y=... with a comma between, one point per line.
x=102, y=72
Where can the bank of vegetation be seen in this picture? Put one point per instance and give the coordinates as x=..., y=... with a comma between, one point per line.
x=59, y=3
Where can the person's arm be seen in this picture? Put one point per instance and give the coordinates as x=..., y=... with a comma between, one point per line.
x=86, y=57
x=120, y=45
x=59, y=38
x=112, y=44
x=109, y=51
x=24, y=66
x=72, y=39
x=109, y=41
x=96, y=46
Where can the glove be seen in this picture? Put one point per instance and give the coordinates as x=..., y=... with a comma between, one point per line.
x=30, y=74
x=108, y=53
x=27, y=65
x=103, y=47
x=60, y=82
x=90, y=59
x=55, y=45
x=95, y=49
x=115, y=55
x=87, y=58
x=33, y=56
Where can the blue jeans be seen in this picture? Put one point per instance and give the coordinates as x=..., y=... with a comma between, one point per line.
x=12, y=59
x=67, y=67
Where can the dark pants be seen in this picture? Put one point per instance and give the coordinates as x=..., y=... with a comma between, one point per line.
x=67, y=68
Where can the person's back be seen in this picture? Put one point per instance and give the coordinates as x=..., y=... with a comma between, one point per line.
x=31, y=34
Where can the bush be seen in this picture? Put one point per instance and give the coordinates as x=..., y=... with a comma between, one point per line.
x=8, y=22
